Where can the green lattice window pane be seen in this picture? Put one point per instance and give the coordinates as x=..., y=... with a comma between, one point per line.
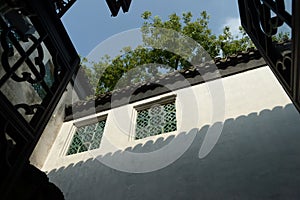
x=83, y=147
x=87, y=137
x=156, y=120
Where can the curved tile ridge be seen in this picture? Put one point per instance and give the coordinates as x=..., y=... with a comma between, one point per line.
x=233, y=64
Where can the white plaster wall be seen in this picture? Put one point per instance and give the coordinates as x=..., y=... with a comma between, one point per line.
x=42, y=149
x=256, y=156
x=248, y=92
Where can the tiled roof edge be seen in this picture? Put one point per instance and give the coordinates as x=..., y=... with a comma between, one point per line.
x=231, y=65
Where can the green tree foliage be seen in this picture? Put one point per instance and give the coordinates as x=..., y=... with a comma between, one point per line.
x=281, y=37
x=230, y=44
x=197, y=30
x=113, y=73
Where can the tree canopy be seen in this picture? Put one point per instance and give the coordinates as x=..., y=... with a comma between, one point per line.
x=114, y=73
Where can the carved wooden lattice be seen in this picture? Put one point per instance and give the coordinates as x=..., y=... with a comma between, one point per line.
x=262, y=19
x=38, y=60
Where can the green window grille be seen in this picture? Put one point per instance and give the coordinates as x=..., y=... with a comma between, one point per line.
x=156, y=120
x=87, y=137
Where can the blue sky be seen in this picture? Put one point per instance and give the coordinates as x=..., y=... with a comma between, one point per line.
x=89, y=23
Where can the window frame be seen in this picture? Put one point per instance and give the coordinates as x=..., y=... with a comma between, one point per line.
x=161, y=101
x=81, y=123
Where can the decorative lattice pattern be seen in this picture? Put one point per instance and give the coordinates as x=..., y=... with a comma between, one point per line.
x=87, y=138
x=156, y=120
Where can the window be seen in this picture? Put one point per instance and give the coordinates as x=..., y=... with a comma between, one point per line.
x=48, y=79
x=87, y=137
x=156, y=118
